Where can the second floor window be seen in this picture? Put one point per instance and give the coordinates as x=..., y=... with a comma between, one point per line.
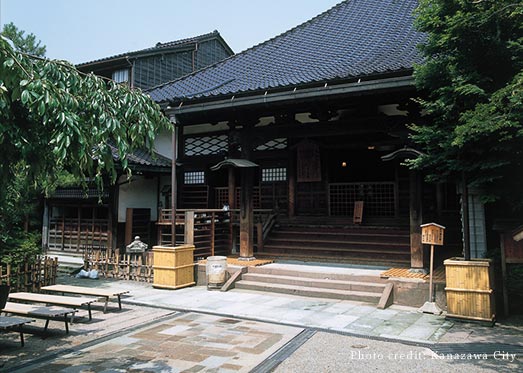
x=121, y=76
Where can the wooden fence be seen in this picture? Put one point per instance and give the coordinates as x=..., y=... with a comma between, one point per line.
x=31, y=275
x=111, y=264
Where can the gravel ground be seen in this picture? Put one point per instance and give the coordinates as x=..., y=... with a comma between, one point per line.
x=326, y=352
x=81, y=332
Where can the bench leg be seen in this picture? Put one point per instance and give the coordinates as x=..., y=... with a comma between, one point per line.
x=119, y=302
x=46, y=325
x=89, y=309
x=22, y=342
x=66, y=324
x=105, y=305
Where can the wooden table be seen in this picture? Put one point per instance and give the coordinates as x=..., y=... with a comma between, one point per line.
x=83, y=290
x=40, y=312
x=8, y=322
x=74, y=302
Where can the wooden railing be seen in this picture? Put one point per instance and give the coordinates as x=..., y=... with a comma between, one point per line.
x=30, y=276
x=211, y=230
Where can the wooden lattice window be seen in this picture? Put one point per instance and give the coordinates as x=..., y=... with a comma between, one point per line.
x=274, y=144
x=379, y=198
x=206, y=145
x=194, y=177
x=274, y=174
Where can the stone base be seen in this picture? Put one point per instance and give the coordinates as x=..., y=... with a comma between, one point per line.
x=422, y=271
x=246, y=258
x=430, y=307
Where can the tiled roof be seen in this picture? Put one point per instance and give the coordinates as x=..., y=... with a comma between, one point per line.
x=142, y=157
x=356, y=38
x=79, y=193
x=159, y=47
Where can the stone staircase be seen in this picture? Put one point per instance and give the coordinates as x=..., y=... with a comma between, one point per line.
x=354, y=244
x=362, y=285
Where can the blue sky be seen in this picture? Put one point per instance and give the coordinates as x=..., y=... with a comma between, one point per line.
x=81, y=31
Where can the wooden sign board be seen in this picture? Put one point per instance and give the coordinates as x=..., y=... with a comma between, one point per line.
x=358, y=212
x=432, y=234
x=512, y=249
x=308, y=162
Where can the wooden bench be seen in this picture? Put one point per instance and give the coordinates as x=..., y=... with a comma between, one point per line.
x=40, y=312
x=59, y=300
x=7, y=323
x=103, y=293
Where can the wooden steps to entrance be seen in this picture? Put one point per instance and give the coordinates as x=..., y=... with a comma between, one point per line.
x=355, y=244
x=370, y=289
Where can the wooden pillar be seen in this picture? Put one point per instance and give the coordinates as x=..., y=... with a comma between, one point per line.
x=231, y=188
x=173, y=184
x=416, y=248
x=189, y=228
x=246, y=216
x=292, y=183
x=45, y=227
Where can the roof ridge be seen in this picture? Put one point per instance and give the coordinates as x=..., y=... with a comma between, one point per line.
x=183, y=40
x=301, y=25
x=158, y=45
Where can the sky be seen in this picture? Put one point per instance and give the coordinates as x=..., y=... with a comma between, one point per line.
x=82, y=31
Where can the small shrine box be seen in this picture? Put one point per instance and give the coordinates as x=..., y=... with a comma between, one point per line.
x=432, y=234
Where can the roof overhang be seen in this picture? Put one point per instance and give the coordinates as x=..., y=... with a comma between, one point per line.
x=359, y=87
x=236, y=163
x=403, y=153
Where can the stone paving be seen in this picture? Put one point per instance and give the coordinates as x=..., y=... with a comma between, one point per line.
x=190, y=343
x=194, y=329
x=396, y=322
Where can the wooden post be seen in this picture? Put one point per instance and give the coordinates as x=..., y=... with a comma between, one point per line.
x=246, y=216
x=292, y=184
x=173, y=184
x=213, y=232
x=259, y=234
x=431, y=287
x=416, y=248
x=466, y=227
x=189, y=228
x=504, y=274
x=231, y=188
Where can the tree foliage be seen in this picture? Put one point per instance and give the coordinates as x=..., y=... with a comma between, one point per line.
x=473, y=80
x=54, y=118
x=24, y=43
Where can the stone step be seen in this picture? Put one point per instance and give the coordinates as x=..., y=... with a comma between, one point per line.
x=349, y=275
x=311, y=257
x=269, y=247
x=323, y=283
x=310, y=291
x=389, y=247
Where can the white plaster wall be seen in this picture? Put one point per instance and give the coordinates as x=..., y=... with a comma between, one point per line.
x=138, y=193
x=163, y=144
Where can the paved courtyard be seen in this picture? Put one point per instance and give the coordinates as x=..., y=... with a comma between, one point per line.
x=194, y=329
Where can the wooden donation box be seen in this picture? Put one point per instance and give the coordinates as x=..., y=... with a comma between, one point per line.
x=173, y=266
x=432, y=234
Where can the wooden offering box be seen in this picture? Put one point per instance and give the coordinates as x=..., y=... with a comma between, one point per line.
x=173, y=266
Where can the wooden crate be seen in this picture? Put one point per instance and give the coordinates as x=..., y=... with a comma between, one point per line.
x=469, y=288
x=173, y=266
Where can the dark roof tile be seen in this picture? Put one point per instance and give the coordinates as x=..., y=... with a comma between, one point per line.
x=354, y=39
